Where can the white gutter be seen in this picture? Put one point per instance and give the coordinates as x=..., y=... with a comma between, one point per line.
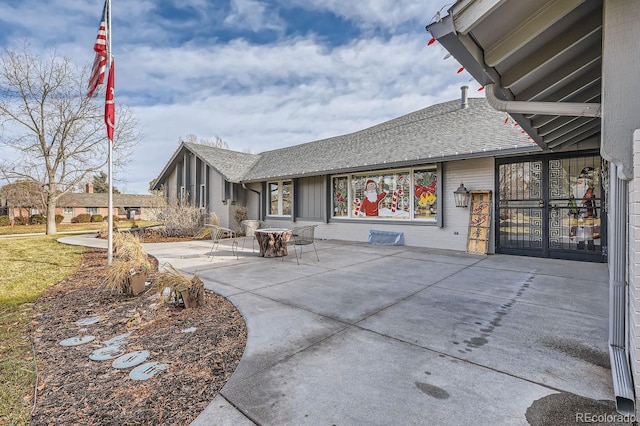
x=573, y=109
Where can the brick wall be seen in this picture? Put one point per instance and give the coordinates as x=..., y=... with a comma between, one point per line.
x=634, y=265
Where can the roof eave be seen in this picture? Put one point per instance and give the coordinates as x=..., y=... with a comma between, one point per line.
x=467, y=52
x=165, y=171
x=403, y=163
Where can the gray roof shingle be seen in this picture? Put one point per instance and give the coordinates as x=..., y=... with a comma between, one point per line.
x=440, y=132
x=232, y=164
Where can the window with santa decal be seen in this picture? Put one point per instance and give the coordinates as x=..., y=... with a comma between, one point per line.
x=409, y=194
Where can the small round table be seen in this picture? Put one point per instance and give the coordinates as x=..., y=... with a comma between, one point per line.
x=273, y=241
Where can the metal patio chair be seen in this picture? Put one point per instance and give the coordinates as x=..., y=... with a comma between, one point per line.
x=250, y=227
x=303, y=236
x=220, y=234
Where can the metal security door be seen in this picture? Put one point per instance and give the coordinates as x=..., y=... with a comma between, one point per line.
x=576, y=230
x=520, y=209
x=551, y=206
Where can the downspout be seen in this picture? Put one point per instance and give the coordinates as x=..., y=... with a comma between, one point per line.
x=259, y=199
x=618, y=290
x=573, y=109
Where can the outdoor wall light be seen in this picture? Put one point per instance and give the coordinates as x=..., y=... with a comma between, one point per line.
x=461, y=196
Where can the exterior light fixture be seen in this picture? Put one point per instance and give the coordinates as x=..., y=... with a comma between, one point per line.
x=461, y=196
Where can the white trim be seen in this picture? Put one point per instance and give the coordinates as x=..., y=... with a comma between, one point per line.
x=280, y=189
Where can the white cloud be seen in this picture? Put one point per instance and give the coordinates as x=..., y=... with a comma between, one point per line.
x=297, y=91
x=387, y=14
x=254, y=16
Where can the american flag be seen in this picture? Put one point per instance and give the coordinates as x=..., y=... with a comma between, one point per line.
x=100, y=46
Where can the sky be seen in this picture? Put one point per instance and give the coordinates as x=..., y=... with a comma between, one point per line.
x=260, y=74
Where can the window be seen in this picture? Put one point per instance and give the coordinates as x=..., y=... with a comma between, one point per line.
x=67, y=210
x=425, y=194
x=202, y=197
x=402, y=195
x=280, y=198
x=92, y=210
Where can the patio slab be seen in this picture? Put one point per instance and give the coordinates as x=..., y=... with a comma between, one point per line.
x=360, y=377
x=402, y=335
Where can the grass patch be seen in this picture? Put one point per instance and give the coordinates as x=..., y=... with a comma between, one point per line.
x=28, y=267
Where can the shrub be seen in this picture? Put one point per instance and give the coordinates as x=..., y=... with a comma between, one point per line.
x=96, y=218
x=241, y=214
x=82, y=218
x=59, y=219
x=130, y=259
x=38, y=219
x=5, y=220
x=20, y=220
x=115, y=218
x=182, y=220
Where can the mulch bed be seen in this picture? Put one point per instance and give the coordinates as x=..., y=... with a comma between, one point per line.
x=72, y=389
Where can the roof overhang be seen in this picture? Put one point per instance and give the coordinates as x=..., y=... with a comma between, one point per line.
x=401, y=164
x=531, y=55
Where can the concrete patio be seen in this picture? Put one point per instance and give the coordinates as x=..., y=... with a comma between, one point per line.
x=403, y=335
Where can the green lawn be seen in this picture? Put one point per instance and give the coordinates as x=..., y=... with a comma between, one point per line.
x=29, y=265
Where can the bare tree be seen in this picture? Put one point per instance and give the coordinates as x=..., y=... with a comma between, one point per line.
x=218, y=143
x=57, y=134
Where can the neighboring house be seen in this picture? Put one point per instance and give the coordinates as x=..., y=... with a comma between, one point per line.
x=125, y=206
x=21, y=199
x=567, y=72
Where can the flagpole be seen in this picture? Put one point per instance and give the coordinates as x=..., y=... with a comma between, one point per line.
x=110, y=143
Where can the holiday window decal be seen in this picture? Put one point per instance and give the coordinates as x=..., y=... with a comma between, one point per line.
x=340, y=196
x=381, y=196
x=425, y=194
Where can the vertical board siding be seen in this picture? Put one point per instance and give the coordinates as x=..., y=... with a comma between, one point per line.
x=172, y=185
x=310, y=198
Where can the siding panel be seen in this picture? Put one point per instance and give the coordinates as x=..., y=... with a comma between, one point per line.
x=310, y=198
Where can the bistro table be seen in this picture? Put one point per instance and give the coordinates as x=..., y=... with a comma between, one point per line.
x=273, y=241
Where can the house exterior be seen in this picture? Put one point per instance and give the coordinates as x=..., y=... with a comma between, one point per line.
x=567, y=73
x=411, y=165
x=414, y=163
x=125, y=206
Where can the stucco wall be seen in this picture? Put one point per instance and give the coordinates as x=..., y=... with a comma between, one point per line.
x=216, y=197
